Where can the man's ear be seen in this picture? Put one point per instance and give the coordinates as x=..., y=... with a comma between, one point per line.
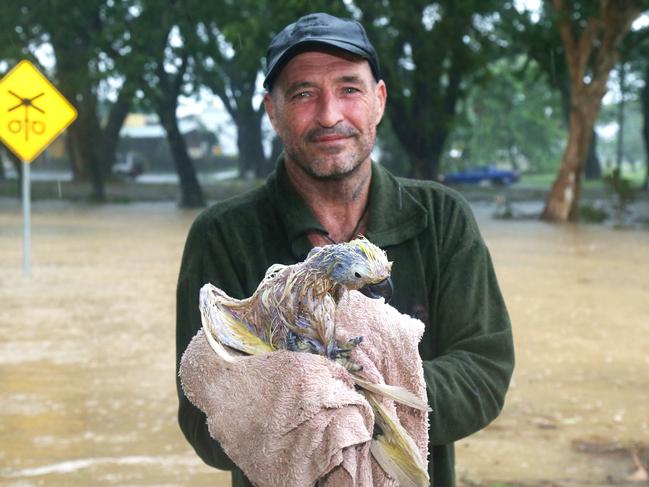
x=381, y=94
x=269, y=106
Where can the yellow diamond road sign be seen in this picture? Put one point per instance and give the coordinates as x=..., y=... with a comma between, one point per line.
x=32, y=111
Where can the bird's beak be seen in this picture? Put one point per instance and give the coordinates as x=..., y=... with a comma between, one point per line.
x=381, y=289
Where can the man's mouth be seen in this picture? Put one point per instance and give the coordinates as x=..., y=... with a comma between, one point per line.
x=330, y=138
x=330, y=135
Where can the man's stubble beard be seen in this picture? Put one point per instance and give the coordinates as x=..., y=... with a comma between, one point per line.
x=310, y=165
x=337, y=174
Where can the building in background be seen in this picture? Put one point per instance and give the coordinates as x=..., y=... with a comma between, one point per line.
x=143, y=144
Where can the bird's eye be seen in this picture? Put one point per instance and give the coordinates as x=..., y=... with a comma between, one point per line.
x=357, y=275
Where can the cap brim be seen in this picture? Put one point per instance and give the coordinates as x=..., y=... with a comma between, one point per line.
x=302, y=46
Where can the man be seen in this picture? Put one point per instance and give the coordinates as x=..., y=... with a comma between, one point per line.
x=325, y=99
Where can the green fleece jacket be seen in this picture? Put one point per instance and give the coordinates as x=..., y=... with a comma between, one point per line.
x=442, y=274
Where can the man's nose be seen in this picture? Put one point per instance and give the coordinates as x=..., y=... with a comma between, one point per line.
x=329, y=110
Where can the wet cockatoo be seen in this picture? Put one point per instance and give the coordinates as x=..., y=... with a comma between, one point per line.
x=293, y=309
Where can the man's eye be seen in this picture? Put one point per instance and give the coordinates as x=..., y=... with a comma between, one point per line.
x=301, y=94
x=350, y=89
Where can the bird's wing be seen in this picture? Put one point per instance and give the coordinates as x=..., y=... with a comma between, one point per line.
x=316, y=318
x=221, y=319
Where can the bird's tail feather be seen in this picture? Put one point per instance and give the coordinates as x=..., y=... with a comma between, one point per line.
x=396, y=393
x=395, y=451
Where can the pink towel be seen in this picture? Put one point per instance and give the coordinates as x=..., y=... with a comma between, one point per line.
x=294, y=419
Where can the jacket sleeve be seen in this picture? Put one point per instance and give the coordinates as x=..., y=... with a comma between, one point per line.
x=205, y=259
x=474, y=359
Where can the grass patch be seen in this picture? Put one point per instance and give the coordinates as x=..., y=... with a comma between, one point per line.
x=542, y=180
x=592, y=214
x=634, y=175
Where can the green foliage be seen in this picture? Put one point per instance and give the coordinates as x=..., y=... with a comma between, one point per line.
x=430, y=53
x=13, y=47
x=476, y=78
x=510, y=119
x=391, y=152
x=82, y=38
x=592, y=214
x=628, y=111
x=621, y=187
x=633, y=150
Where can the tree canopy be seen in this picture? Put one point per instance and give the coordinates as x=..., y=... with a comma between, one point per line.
x=469, y=83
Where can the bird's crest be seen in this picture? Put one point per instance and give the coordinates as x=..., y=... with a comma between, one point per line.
x=377, y=259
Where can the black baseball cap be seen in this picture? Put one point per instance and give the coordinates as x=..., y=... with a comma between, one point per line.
x=313, y=30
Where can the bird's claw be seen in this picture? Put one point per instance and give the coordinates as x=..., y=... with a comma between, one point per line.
x=349, y=364
x=342, y=354
x=298, y=343
x=334, y=351
x=353, y=342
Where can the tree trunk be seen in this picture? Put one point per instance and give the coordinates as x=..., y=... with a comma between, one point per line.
x=249, y=142
x=619, y=152
x=84, y=135
x=425, y=164
x=164, y=97
x=76, y=165
x=562, y=203
x=84, y=141
x=593, y=46
x=645, y=126
x=191, y=194
x=238, y=104
x=73, y=54
x=422, y=141
x=110, y=133
x=593, y=168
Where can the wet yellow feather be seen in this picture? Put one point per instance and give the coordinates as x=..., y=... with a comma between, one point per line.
x=396, y=451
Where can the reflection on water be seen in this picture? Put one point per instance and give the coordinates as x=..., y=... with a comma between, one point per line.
x=87, y=392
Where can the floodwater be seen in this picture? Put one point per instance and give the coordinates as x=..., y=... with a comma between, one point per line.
x=87, y=392
x=146, y=178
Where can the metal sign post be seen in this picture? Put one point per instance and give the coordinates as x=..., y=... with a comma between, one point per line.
x=27, y=224
x=34, y=113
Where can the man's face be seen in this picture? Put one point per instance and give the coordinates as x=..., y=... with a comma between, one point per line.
x=325, y=107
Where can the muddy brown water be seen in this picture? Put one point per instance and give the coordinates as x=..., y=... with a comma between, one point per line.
x=87, y=393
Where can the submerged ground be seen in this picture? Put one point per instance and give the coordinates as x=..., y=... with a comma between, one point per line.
x=87, y=393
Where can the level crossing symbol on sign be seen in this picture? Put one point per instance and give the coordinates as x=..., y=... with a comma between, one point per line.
x=32, y=111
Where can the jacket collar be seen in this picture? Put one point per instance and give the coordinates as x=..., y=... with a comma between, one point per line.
x=395, y=215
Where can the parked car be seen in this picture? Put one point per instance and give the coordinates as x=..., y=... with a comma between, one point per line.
x=482, y=175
